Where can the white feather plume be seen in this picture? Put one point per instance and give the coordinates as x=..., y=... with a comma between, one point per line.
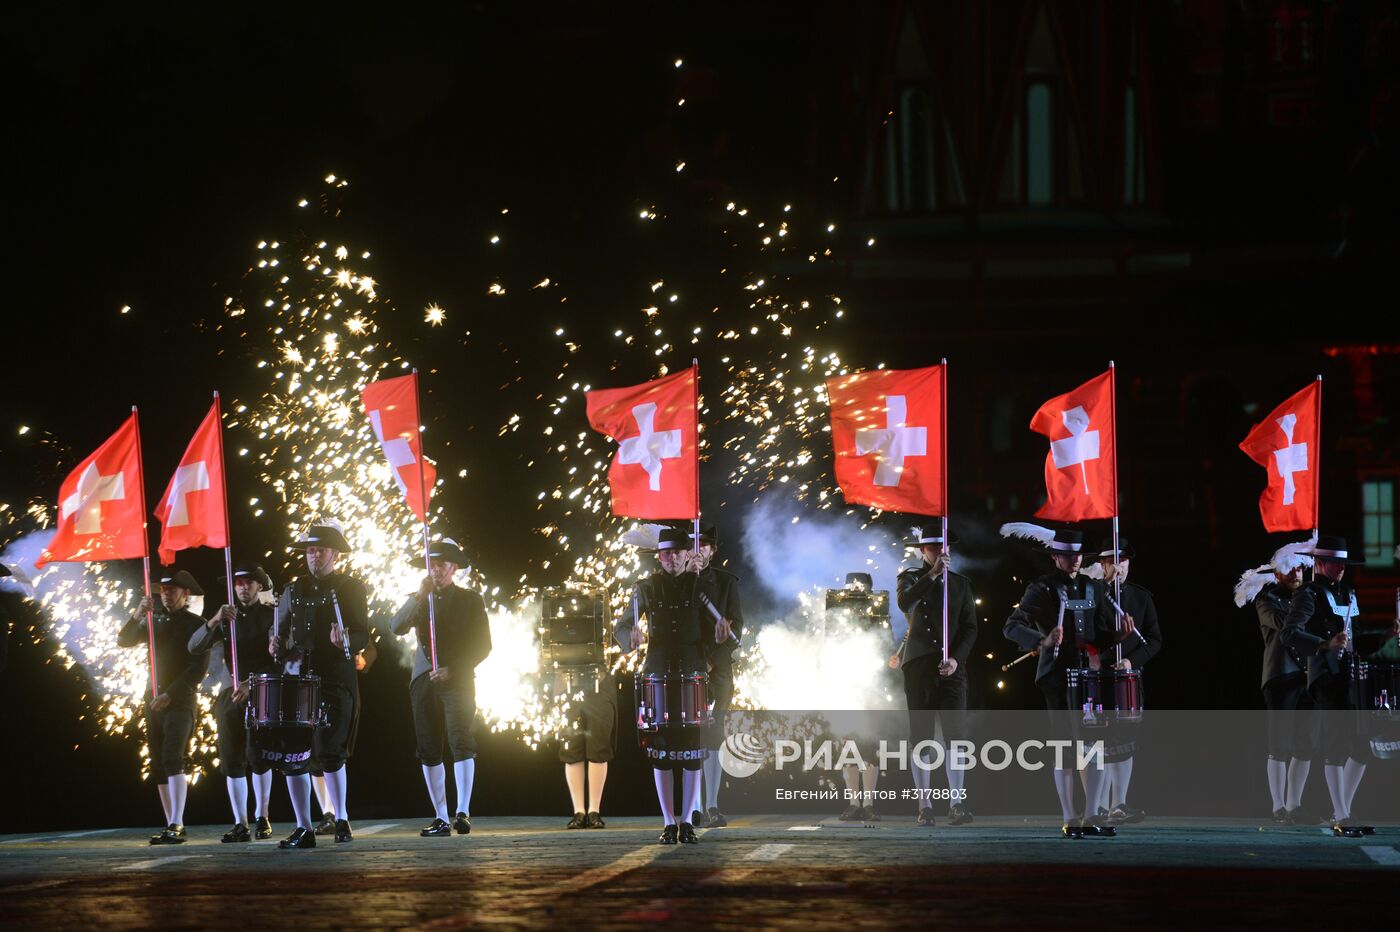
x=1026, y=531
x=1251, y=581
x=1093, y=571
x=1290, y=556
x=644, y=536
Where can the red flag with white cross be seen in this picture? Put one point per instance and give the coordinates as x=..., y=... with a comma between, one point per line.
x=392, y=406
x=1081, y=469
x=1287, y=443
x=192, y=512
x=888, y=433
x=656, y=425
x=100, y=506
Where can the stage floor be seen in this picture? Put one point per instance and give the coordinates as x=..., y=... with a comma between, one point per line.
x=760, y=871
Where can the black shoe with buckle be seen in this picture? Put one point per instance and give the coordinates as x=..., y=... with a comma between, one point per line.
x=687, y=834
x=868, y=814
x=462, y=824
x=438, y=828
x=1280, y=817
x=326, y=825
x=715, y=819
x=1301, y=816
x=580, y=820
x=342, y=830
x=925, y=817
x=668, y=835
x=698, y=820
x=853, y=814
x=236, y=834
x=302, y=838
x=263, y=829
x=173, y=835
x=1344, y=829
x=1072, y=830
x=595, y=820
x=1126, y=815
x=958, y=814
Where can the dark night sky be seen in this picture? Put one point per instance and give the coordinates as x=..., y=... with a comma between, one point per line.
x=146, y=155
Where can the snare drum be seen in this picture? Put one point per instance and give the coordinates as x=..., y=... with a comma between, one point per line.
x=1104, y=697
x=284, y=701
x=573, y=626
x=673, y=700
x=1375, y=694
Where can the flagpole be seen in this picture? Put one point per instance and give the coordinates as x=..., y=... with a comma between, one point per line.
x=146, y=557
x=427, y=547
x=947, y=544
x=1117, y=577
x=695, y=541
x=1317, y=463
x=228, y=548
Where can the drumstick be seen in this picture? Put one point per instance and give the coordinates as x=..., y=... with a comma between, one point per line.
x=1059, y=623
x=714, y=612
x=1029, y=653
x=1119, y=609
x=340, y=623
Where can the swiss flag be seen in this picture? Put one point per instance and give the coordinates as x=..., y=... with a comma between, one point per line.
x=100, y=505
x=1287, y=444
x=1081, y=467
x=392, y=406
x=656, y=426
x=193, y=512
x=887, y=430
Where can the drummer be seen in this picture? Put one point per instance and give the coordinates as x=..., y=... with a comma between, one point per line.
x=443, y=699
x=677, y=625
x=1062, y=615
x=721, y=589
x=251, y=616
x=170, y=714
x=320, y=623
x=1142, y=639
x=1318, y=627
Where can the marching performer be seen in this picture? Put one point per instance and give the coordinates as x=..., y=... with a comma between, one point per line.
x=320, y=623
x=587, y=751
x=170, y=715
x=1293, y=728
x=444, y=700
x=931, y=682
x=1062, y=614
x=718, y=591
x=251, y=617
x=677, y=625
x=1141, y=642
x=1319, y=627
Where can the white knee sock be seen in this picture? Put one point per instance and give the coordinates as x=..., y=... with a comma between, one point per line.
x=299, y=788
x=336, y=784
x=690, y=792
x=1278, y=784
x=436, y=779
x=1094, y=785
x=1064, y=788
x=164, y=790
x=1120, y=774
x=1297, y=778
x=323, y=796
x=956, y=776
x=464, y=772
x=1333, y=775
x=179, y=786
x=262, y=792
x=1351, y=779
x=238, y=799
x=713, y=774
x=597, y=779
x=665, y=794
x=574, y=776
x=923, y=781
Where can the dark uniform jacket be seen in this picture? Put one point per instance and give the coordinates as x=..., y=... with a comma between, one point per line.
x=178, y=672
x=1138, y=602
x=463, y=631
x=1317, y=614
x=1038, y=611
x=306, y=616
x=253, y=623
x=721, y=587
x=676, y=623
x=1272, y=605
x=920, y=596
